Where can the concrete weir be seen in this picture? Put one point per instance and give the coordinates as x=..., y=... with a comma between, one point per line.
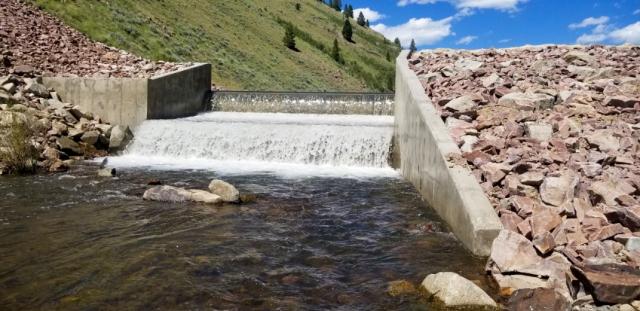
x=422, y=146
x=130, y=101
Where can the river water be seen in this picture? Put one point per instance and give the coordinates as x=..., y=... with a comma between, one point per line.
x=331, y=235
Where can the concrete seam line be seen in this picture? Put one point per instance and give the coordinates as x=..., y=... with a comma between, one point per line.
x=454, y=192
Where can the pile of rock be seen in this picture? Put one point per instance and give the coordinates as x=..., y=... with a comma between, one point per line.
x=61, y=131
x=32, y=42
x=219, y=192
x=553, y=136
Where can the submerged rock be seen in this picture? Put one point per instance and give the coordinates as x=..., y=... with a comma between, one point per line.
x=202, y=196
x=401, y=288
x=454, y=291
x=225, y=190
x=107, y=172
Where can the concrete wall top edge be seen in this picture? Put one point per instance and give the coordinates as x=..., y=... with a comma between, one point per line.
x=195, y=65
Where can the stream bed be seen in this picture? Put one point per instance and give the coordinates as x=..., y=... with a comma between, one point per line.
x=80, y=242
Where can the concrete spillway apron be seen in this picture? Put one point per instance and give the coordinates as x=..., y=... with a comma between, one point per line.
x=422, y=147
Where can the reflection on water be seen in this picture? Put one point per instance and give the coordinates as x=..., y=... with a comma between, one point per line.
x=79, y=242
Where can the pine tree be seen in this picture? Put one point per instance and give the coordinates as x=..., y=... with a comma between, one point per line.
x=361, y=20
x=350, y=7
x=347, y=31
x=367, y=24
x=397, y=42
x=336, y=4
x=335, y=52
x=388, y=56
x=297, y=6
x=412, y=47
x=348, y=11
x=289, y=39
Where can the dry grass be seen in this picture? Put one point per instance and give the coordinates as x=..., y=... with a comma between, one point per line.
x=17, y=153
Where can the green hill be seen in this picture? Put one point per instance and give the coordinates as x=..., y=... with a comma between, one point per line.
x=242, y=39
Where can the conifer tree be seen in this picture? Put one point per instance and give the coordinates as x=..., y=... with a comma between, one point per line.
x=388, y=56
x=297, y=6
x=350, y=7
x=347, y=31
x=412, y=47
x=397, y=42
x=335, y=52
x=289, y=39
x=361, y=20
x=336, y=4
x=367, y=24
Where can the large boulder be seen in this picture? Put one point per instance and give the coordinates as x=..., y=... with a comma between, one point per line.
x=120, y=138
x=611, y=283
x=454, y=291
x=225, y=190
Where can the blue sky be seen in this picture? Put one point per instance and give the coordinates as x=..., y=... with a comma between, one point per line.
x=472, y=24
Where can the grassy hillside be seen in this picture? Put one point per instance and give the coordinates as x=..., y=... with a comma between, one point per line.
x=242, y=39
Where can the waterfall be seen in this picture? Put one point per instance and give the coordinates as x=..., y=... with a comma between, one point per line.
x=361, y=141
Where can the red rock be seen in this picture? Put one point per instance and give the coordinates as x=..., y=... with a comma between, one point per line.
x=510, y=220
x=544, y=221
x=611, y=283
x=606, y=232
x=511, y=252
x=621, y=101
x=538, y=299
x=544, y=243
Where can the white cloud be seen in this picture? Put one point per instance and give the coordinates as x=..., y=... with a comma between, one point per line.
x=504, y=41
x=369, y=14
x=591, y=38
x=629, y=34
x=636, y=12
x=424, y=31
x=505, y=5
x=466, y=40
x=590, y=21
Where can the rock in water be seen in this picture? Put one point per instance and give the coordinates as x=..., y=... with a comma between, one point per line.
x=120, y=137
x=167, y=194
x=107, y=172
x=454, y=291
x=174, y=194
x=225, y=190
x=202, y=196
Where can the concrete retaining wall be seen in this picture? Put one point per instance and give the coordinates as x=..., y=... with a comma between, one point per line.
x=421, y=146
x=130, y=101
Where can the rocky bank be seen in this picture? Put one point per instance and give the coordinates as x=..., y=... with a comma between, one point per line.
x=552, y=134
x=55, y=132
x=33, y=42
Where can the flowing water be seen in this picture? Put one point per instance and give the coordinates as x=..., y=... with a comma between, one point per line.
x=330, y=228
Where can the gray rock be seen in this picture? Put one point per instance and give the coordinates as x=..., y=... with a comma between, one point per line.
x=604, y=140
x=461, y=104
x=468, y=64
x=538, y=131
x=167, y=194
x=202, y=196
x=90, y=138
x=225, y=190
x=67, y=145
x=454, y=291
x=119, y=138
x=527, y=101
x=491, y=80
x=36, y=88
x=558, y=190
x=107, y=172
x=578, y=58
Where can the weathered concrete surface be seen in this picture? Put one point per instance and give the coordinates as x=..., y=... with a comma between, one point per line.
x=115, y=100
x=423, y=144
x=179, y=94
x=129, y=101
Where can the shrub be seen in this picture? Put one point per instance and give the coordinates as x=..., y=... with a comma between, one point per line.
x=17, y=153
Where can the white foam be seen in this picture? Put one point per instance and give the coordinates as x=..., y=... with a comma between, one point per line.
x=280, y=143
